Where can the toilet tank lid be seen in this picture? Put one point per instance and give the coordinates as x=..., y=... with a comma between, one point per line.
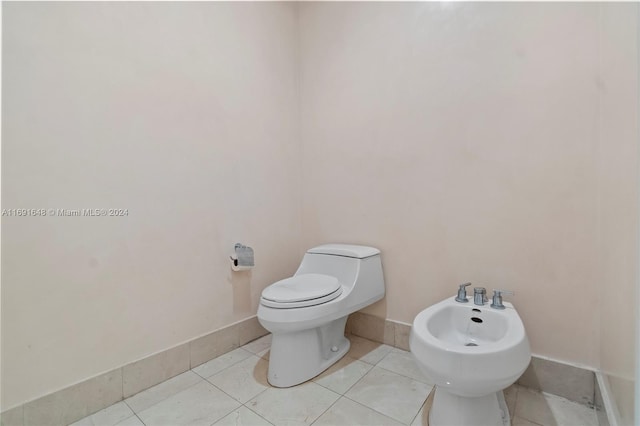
x=347, y=250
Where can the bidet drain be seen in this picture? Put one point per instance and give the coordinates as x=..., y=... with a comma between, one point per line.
x=471, y=344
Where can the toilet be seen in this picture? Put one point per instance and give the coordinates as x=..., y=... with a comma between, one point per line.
x=470, y=353
x=307, y=312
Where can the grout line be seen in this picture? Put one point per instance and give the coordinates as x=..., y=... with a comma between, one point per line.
x=405, y=376
x=349, y=388
x=228, y=366
x=393, y=372
x=224, y=415
x=125, y=403
x=136, y=414
x=358, y=381
x=423, y=405
x=371, y=408
x=199, y=375
x=253, y=411
x=227, y=394
x=329, y=407
x=515, y=400
x=400, y=374
x=515, y=405
x=166, y=397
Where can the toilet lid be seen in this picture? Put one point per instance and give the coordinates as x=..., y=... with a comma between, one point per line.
x=301, y=291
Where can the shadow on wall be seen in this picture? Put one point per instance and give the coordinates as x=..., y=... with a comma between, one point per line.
x=241, y=284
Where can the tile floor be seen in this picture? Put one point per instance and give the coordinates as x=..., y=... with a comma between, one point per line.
x=374, y=384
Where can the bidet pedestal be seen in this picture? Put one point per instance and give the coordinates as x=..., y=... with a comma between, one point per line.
x=449, y=409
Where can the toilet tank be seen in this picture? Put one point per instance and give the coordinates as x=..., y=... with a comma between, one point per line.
x=357, y=268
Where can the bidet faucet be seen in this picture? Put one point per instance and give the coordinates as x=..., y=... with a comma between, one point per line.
x=497, y=298
x=462, y=293
x=480, y=296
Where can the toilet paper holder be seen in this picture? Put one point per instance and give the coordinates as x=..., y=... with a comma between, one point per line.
x=242, y=258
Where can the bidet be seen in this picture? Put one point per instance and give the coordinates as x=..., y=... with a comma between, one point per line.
x=471, y=353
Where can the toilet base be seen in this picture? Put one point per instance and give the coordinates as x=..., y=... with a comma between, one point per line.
x=298, y=356
x=449, y=410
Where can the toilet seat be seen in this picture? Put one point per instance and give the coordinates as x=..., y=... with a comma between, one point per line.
x=301, y=290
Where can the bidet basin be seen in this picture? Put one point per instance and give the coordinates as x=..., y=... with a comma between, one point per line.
x=470, y=350
x=456, y=326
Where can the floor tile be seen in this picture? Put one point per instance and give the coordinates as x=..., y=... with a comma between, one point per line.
x=12, y=417
x=107, y=417
x=162, y=391
x=242, y=417
x=343, y=374
x=510, y=395
x=350, y=413
x=532, y=405
x=391, y=394
x=259, y=346
x=422, y=418
x=367, y=350
x=131, y=421
x=243, y=380
x=216, y=365
x=201, y=404
x=392, y=391
x=519, y=421
x=551, y=410
x=569, y=413
x=402, y=362
x=299, y=405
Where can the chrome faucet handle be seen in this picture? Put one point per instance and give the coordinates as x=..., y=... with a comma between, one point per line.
x=462, y=293
x=497, y=298
x=480, y=296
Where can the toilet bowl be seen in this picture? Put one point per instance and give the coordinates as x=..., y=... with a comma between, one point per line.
x=471, y=353
x=307, y=313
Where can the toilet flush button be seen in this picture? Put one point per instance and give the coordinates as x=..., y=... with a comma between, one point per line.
x=334, y=349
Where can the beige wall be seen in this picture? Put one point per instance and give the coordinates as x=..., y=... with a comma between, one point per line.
x=183, y=113
x=618, y=189
x=460, y=139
